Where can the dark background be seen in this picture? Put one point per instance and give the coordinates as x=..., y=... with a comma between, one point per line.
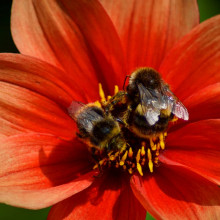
x=208, y=8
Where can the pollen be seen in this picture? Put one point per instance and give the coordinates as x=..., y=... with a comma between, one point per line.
x=137, y=155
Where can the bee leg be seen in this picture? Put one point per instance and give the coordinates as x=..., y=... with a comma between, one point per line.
x=110, y=106
x=80, y=135
x=117, y=98
x=126, y=116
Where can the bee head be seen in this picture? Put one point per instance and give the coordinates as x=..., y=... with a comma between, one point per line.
x=148, y=77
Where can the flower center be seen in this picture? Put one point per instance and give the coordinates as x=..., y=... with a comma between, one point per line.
x=141, y=147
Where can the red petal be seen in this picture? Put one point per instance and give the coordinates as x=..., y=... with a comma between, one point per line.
x=75, y=35
x=149, y=29
x=205, y=103
x=39, y=170
x=194, y=62
x=23, y=110
x=106, y=199
x=38, y=76
x=198, y=135
x=175, y=193
x=203, y=162
x=196, y=146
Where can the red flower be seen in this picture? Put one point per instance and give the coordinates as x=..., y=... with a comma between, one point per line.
x=67, y=48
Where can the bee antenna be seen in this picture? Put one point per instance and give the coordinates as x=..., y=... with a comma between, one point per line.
x=128, y=76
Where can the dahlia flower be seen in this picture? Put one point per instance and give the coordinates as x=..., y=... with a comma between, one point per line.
x=69, y=47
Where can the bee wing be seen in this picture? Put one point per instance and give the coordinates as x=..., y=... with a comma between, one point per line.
x=176, y=107
x=74, y=108
x=180, y=110
x=150, y=104
x=160, y=99
x=83, y=115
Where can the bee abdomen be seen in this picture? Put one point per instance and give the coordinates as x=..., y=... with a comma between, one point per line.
x=142, y=127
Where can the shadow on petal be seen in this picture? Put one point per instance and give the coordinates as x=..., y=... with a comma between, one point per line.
x=107, y=198
x=65, y=162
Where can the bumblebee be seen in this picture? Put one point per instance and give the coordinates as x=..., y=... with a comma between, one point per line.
x=98, y=130
x=150, y=104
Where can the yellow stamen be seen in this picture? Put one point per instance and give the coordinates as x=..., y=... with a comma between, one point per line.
x=152, y=145
x=158, y=150
x=130, y=152
x=95, y=166
x=139, y=168
x=108, y=97
x=117, y=153
x=130, y=170
x=109, y=154
x=162, y=145
x=112, y=157
x=101, y=93
x=150, y=165
x=138, y=156
x=149, y=155
x=142, y=151
x=98, y=104
x=124, y=157
x=102, y=161
x=123, y=147
x=116, y=89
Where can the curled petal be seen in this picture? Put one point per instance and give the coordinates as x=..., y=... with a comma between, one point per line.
x=108, y=198
x=38, y=170
x=176, y=193
x=194, y=62
x=149, y=29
